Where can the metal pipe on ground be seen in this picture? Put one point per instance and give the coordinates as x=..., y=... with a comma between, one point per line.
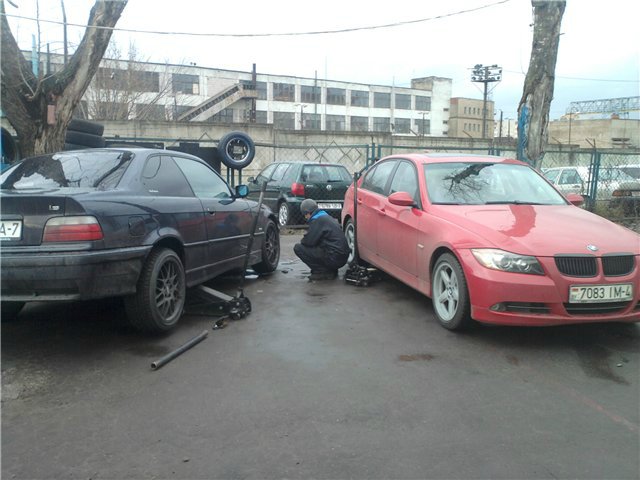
x=178, y=351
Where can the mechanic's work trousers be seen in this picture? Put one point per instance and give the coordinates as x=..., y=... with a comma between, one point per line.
x=317, y=260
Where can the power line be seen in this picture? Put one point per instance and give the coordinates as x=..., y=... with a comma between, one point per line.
x=286, y=34
x=585, y=79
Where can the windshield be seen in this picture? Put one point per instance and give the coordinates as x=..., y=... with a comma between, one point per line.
x=468, y=183
x=101, y=169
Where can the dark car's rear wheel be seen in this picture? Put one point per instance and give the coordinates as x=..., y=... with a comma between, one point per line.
x=159, y=300
x=284, y=214
x=450, y=294
x=10, y=310
x=270, y=250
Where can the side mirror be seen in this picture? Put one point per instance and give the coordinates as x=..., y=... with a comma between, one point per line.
x=402, y=199
x=575, y=199
x=242, y=191
x=251, y=180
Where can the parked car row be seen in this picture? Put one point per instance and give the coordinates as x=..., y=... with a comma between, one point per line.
x=488, y=239
x=619, y=186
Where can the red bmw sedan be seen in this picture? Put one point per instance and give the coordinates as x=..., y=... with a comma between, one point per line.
x=490, y=240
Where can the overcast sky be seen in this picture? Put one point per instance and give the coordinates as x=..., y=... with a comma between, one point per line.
x=599, y=54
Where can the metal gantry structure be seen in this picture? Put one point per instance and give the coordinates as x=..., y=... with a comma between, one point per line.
x=607, y=105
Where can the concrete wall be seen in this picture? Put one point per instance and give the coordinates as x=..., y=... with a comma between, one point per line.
x=584, y=133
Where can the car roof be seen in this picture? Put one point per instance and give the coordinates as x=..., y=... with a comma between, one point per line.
x=428, y=157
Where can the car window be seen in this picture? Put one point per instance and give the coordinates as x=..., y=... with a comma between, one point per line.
x=265, y=174
x=632, y=171
x=377, y=178
x=569, y=176
x=161, y=176
x=101, y=170
x=278, y=174
x=203, y=180
x=462, y=183
x=405, y=180
x=552, y=175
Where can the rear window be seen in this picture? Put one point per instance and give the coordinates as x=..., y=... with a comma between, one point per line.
x=101, y=170
x=325, y=173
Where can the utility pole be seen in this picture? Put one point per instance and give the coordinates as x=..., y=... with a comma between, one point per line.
x=486, y=75
x=64, y=31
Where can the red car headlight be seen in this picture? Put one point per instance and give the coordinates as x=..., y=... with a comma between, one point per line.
x=506, y=261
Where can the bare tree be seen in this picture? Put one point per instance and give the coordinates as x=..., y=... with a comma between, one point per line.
x=127, y=88
x=26, y=98
x=533, y=110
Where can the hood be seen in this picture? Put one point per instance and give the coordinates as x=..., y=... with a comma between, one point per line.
x=540, y=230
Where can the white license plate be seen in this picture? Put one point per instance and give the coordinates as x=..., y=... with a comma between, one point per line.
x=331, y=206
x=618, y=292
x=10, y=229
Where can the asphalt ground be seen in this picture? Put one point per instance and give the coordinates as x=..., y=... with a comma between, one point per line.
x=320, y=380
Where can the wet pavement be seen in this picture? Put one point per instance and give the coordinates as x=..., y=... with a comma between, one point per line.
x=321, y=380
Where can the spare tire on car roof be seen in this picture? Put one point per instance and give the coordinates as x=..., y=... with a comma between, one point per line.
x=237, y=150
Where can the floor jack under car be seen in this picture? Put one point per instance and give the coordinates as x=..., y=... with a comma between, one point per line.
x=358, y=274
x=216, y=303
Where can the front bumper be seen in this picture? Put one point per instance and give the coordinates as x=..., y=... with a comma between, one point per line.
x=503, y=298
x=70, y=275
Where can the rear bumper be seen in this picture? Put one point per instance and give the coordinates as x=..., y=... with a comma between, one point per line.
x=53, y=276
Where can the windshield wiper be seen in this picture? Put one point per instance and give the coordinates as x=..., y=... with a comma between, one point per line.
x=513, y=202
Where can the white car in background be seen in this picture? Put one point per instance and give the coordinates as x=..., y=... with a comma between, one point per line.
x=576, y=179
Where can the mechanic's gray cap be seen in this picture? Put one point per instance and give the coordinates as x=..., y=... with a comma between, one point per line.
x=308, y=206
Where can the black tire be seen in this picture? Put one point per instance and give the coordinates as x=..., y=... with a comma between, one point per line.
x=81, y=138
x=10, y=310
x=349, y=233
x=270, y=250
x=450, y=294
x=237, y=150
x=86, y=126
x=159, y=300
x=72, y=146
x=284, y=214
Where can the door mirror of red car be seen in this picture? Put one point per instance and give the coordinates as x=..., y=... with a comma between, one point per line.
x=575, y=199
x=402, y=199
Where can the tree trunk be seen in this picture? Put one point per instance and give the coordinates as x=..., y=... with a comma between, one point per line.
x=27, y=99
x=533, y=110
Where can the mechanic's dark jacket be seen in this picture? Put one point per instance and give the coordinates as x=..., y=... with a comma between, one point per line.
x=325, y=232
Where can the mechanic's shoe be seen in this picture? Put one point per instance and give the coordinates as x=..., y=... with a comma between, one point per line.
x=323, y=275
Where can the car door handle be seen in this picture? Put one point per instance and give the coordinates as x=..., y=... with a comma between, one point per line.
x=211, y=211
x=359, y=201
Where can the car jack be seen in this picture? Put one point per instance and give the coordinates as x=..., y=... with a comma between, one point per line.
x=220, y=304
x=359, y=275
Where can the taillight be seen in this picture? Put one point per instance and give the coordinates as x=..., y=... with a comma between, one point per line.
x=72, y=229
x=621, y=193
x=297, y=189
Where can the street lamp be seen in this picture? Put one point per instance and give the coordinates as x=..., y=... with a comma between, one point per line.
x=486, y=75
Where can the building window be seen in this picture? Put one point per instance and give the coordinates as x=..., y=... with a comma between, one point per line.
x=403, y=101
x=284, y=92
x=381, y=124
x=423, y=126
x=310, y=94
x=381, y=100
x=223, y=116
x=423, y=103
x=359, y=124
x=402, y=125
x=359, y=98
x=261, y=116
x=284, y=120
x=336, y=96
x=335, y=122
x=261, y=89
x=312, y=121
x=146, y=111
x=183, y=83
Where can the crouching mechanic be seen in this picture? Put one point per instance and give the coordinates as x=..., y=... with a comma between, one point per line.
x=324, y=247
